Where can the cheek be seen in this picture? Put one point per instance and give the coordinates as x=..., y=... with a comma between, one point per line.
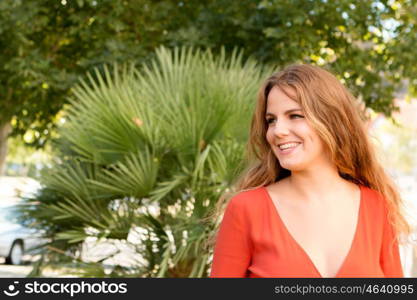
x=315, y=142
x=269, y=137
x=310, y=136
x=302, y=131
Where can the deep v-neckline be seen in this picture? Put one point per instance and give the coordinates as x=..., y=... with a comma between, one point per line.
x=307, y=256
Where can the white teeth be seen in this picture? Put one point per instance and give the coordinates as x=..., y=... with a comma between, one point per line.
x=286, y=146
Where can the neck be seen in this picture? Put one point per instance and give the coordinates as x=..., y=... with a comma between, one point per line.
x=313, y=185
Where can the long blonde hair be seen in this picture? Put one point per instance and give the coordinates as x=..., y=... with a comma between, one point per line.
x=334, y=113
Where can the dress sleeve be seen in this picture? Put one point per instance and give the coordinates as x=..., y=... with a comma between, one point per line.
x=390, y=255
x=232, y=252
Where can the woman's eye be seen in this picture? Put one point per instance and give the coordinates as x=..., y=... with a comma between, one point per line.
x=295, y=116
x=270, y=121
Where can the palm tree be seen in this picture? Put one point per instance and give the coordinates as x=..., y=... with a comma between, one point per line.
x=144, y=155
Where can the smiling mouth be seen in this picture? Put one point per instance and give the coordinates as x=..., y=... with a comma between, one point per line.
x=288, y=147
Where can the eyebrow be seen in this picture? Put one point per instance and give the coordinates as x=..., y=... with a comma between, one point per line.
x=285, y=113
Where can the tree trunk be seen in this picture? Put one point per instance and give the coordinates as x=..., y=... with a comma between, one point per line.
x=5, y=130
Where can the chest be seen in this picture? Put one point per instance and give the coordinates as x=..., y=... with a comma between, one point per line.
x=326, y=239
x=323, y=235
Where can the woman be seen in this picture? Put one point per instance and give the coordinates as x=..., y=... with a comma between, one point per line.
x=316, y=203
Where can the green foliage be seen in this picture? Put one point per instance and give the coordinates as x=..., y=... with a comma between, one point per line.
x=46, y=45
x=369, y=44
x=144, y=156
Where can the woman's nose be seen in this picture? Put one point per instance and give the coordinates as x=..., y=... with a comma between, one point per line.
x=281, y=129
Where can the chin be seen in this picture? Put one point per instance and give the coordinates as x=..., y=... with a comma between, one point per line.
x=293, y=167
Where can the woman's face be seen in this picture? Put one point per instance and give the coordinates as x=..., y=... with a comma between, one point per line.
x=294, y=142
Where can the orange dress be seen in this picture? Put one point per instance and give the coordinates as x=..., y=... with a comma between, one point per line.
x=253, y=242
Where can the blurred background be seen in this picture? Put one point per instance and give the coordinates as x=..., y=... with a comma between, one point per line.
x=122, y=122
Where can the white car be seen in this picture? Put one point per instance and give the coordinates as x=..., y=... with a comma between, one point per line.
x=15, y=240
